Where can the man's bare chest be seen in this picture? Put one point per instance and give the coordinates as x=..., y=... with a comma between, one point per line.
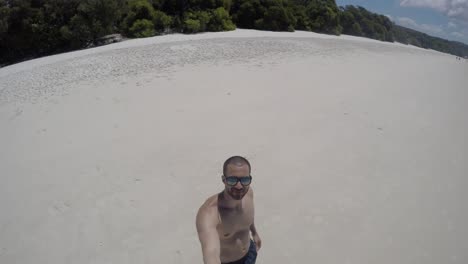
x=235, y=221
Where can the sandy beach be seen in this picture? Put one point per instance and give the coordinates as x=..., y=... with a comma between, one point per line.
x=358, y=148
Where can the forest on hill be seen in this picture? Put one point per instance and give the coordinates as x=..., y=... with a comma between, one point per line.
x=35, y=28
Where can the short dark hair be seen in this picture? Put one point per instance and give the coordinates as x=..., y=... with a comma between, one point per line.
x=236, y=160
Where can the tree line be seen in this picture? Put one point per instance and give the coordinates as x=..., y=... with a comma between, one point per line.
x=34, y=28
x=419, y=39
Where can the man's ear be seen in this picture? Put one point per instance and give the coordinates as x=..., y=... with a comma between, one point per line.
x=223, y=178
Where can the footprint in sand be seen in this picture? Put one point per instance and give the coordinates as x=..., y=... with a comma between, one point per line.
x=40, y=131
x=59, y=207
x=16, y=114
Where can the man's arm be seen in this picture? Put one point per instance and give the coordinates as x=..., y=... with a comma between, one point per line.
x=252, y=226
x=253, y=229
x=207, y=220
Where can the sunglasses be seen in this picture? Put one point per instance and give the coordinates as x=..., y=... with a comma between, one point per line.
x=232, y=180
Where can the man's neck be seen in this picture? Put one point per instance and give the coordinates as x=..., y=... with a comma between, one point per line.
x=229, y=202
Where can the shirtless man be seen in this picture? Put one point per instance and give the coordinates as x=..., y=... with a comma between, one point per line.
x=225, y=221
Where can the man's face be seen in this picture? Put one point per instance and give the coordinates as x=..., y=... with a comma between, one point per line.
x=237, y=191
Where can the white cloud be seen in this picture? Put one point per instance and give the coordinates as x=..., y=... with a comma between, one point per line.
x=429, y=29
x=452, y=8
x=453, y=30
x=457, y=34
x=435, y=4
x=389, y=17
x=405, y=21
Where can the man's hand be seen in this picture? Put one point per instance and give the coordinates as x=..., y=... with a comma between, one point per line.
x=255, y=237
x=258, y=241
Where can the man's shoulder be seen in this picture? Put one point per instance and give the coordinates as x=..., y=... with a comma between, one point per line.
x=250, y=192
x=210, y=203
x=208, y=211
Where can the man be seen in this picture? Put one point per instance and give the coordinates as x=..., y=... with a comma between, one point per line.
x=225, y=221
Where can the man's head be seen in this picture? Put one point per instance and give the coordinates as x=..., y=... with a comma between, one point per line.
x=236, y=176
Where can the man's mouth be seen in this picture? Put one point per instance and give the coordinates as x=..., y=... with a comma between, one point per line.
x=237, y=194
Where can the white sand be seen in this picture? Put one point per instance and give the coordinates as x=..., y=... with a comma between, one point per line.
x=359, y=149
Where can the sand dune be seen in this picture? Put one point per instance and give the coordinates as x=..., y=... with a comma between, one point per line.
x=358, y=149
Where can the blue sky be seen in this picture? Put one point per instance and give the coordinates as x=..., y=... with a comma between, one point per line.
x=447, y=19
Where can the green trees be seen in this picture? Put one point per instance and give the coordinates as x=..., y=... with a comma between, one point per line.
x=24, y=31
x=246, y=12
x=276, y=15
x=99, y=16
x=4, y=16
x=196, y=21
x=356, y=29
x=220, y=20
x=32, y=28
x=276, y=18
x=358, y=21
x=86, y=21
x=141, y=19
x=202, y=15
x=302, y=20
x=413, y=37
x=212, y=20
x=162, y=22
x=142, y=28
x=138, y=21
x=323, y=16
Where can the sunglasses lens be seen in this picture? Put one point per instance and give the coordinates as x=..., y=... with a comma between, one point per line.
x=245, y=180
x=231, y=181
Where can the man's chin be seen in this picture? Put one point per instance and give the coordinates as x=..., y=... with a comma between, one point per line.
x=236, y=196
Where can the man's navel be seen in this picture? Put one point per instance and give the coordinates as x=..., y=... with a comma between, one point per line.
x=240, y=245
